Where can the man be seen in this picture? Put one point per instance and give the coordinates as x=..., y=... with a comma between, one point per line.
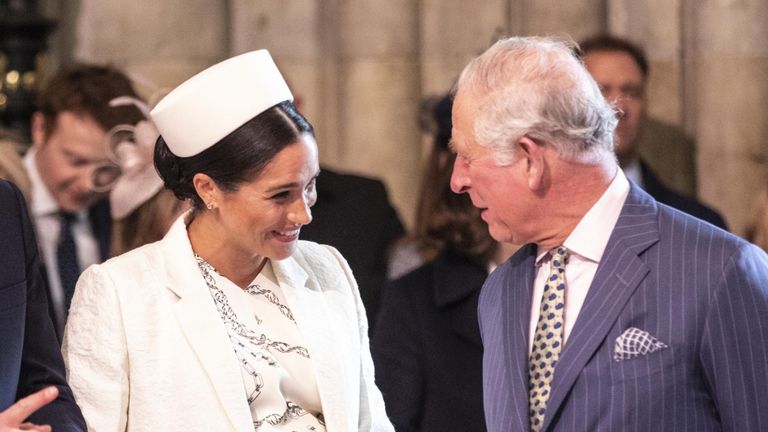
x=621, y=70
x=72, y=220
x=620, y=313
x=354, y=215
x=30, y=361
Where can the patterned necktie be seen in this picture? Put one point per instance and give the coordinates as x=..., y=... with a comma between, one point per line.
x=66, y=256
x=548, y=339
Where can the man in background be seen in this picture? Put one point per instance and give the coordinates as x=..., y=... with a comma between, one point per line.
x=71, y=219
x=621, y=70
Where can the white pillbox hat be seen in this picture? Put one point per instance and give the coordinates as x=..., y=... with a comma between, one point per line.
x=210, y=105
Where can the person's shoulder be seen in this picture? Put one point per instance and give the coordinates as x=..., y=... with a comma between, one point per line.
x=316, y=255
x=8, y=190
x=693, y=235
x=415, y=276
x=130, y=263
x=11, y=203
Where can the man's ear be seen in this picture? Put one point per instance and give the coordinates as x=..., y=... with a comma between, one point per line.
x=206, y=188
x=39, y=132
x=532, y=155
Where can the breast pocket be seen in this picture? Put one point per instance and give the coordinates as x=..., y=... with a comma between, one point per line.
x=645, y=368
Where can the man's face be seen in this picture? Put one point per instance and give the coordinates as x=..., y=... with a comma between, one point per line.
x=622, y=84
x=66, y=156
x=500, y=192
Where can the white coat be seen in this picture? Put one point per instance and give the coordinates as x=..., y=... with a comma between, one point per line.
x=146, y=350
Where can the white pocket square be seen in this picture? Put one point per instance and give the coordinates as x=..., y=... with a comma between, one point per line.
x=635, y=343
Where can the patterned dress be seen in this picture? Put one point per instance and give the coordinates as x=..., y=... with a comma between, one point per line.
x=278, y=374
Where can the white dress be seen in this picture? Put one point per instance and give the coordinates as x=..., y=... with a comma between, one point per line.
x=278, y=375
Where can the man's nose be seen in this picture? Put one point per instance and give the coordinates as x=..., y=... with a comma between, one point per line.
x=459, y=178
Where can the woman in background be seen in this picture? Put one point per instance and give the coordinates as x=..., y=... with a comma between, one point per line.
x=426, y=343
x=142, y=210
x=229, y=323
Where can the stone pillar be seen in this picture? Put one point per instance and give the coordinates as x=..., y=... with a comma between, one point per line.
x=726, y=101
x=291, y=30
x=449, y=40
x=576, y=19
x=159, y=44
x=377, y=93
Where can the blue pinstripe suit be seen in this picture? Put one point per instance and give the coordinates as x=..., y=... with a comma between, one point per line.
x=697, y=289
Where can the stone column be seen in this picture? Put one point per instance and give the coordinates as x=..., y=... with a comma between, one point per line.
x=159, y=43
x=576, y=19
x=376, y=80
x=727, y=100
x=292, y=32
x=449, y=39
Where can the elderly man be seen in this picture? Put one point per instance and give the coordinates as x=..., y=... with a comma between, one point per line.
x=620, y=313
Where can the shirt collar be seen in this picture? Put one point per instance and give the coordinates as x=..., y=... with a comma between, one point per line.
x=590, y=237
x=42, y=202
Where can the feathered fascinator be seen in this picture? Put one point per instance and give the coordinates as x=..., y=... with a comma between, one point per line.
x=132, y=180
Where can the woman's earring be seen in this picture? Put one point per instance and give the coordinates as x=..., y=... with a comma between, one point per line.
x=210, y=205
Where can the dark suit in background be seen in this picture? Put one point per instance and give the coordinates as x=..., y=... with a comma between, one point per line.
x=29, y=352
x=697, y=289
x=667, y=196
x=427, y=348
x=354, y=215
x=100, y=218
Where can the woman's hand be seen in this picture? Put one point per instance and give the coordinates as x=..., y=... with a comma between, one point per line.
x=11, y=419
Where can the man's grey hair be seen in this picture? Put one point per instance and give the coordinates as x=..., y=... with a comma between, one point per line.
x=536, y=87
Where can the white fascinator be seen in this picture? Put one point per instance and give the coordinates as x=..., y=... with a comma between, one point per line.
x=132, y=180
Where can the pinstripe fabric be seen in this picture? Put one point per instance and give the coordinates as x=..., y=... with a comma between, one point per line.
x=697, y=289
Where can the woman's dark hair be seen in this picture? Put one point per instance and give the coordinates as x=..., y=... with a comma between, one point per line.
x=445, y=221
x=238, y=157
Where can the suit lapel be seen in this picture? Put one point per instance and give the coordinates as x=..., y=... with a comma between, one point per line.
x=312, y=311
x=618, y=276
x=196, y=313
x=517, y=286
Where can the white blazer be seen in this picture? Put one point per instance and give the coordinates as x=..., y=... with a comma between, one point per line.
x=146, y=350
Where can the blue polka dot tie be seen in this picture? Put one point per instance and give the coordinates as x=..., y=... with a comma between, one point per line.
x=547, y=340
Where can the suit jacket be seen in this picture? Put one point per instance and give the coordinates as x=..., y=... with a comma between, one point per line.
x=354, y=215
x=427, y=347
x=667, y=196
x=146, y=349
x=697, y=289
x=29, y=352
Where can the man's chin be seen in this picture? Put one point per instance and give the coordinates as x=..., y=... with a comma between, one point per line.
x=74, y=205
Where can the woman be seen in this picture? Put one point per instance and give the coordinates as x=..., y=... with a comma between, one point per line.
x=426, y=343
x=229, y=323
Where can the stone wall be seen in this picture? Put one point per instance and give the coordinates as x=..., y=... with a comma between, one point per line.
x=361, y=67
